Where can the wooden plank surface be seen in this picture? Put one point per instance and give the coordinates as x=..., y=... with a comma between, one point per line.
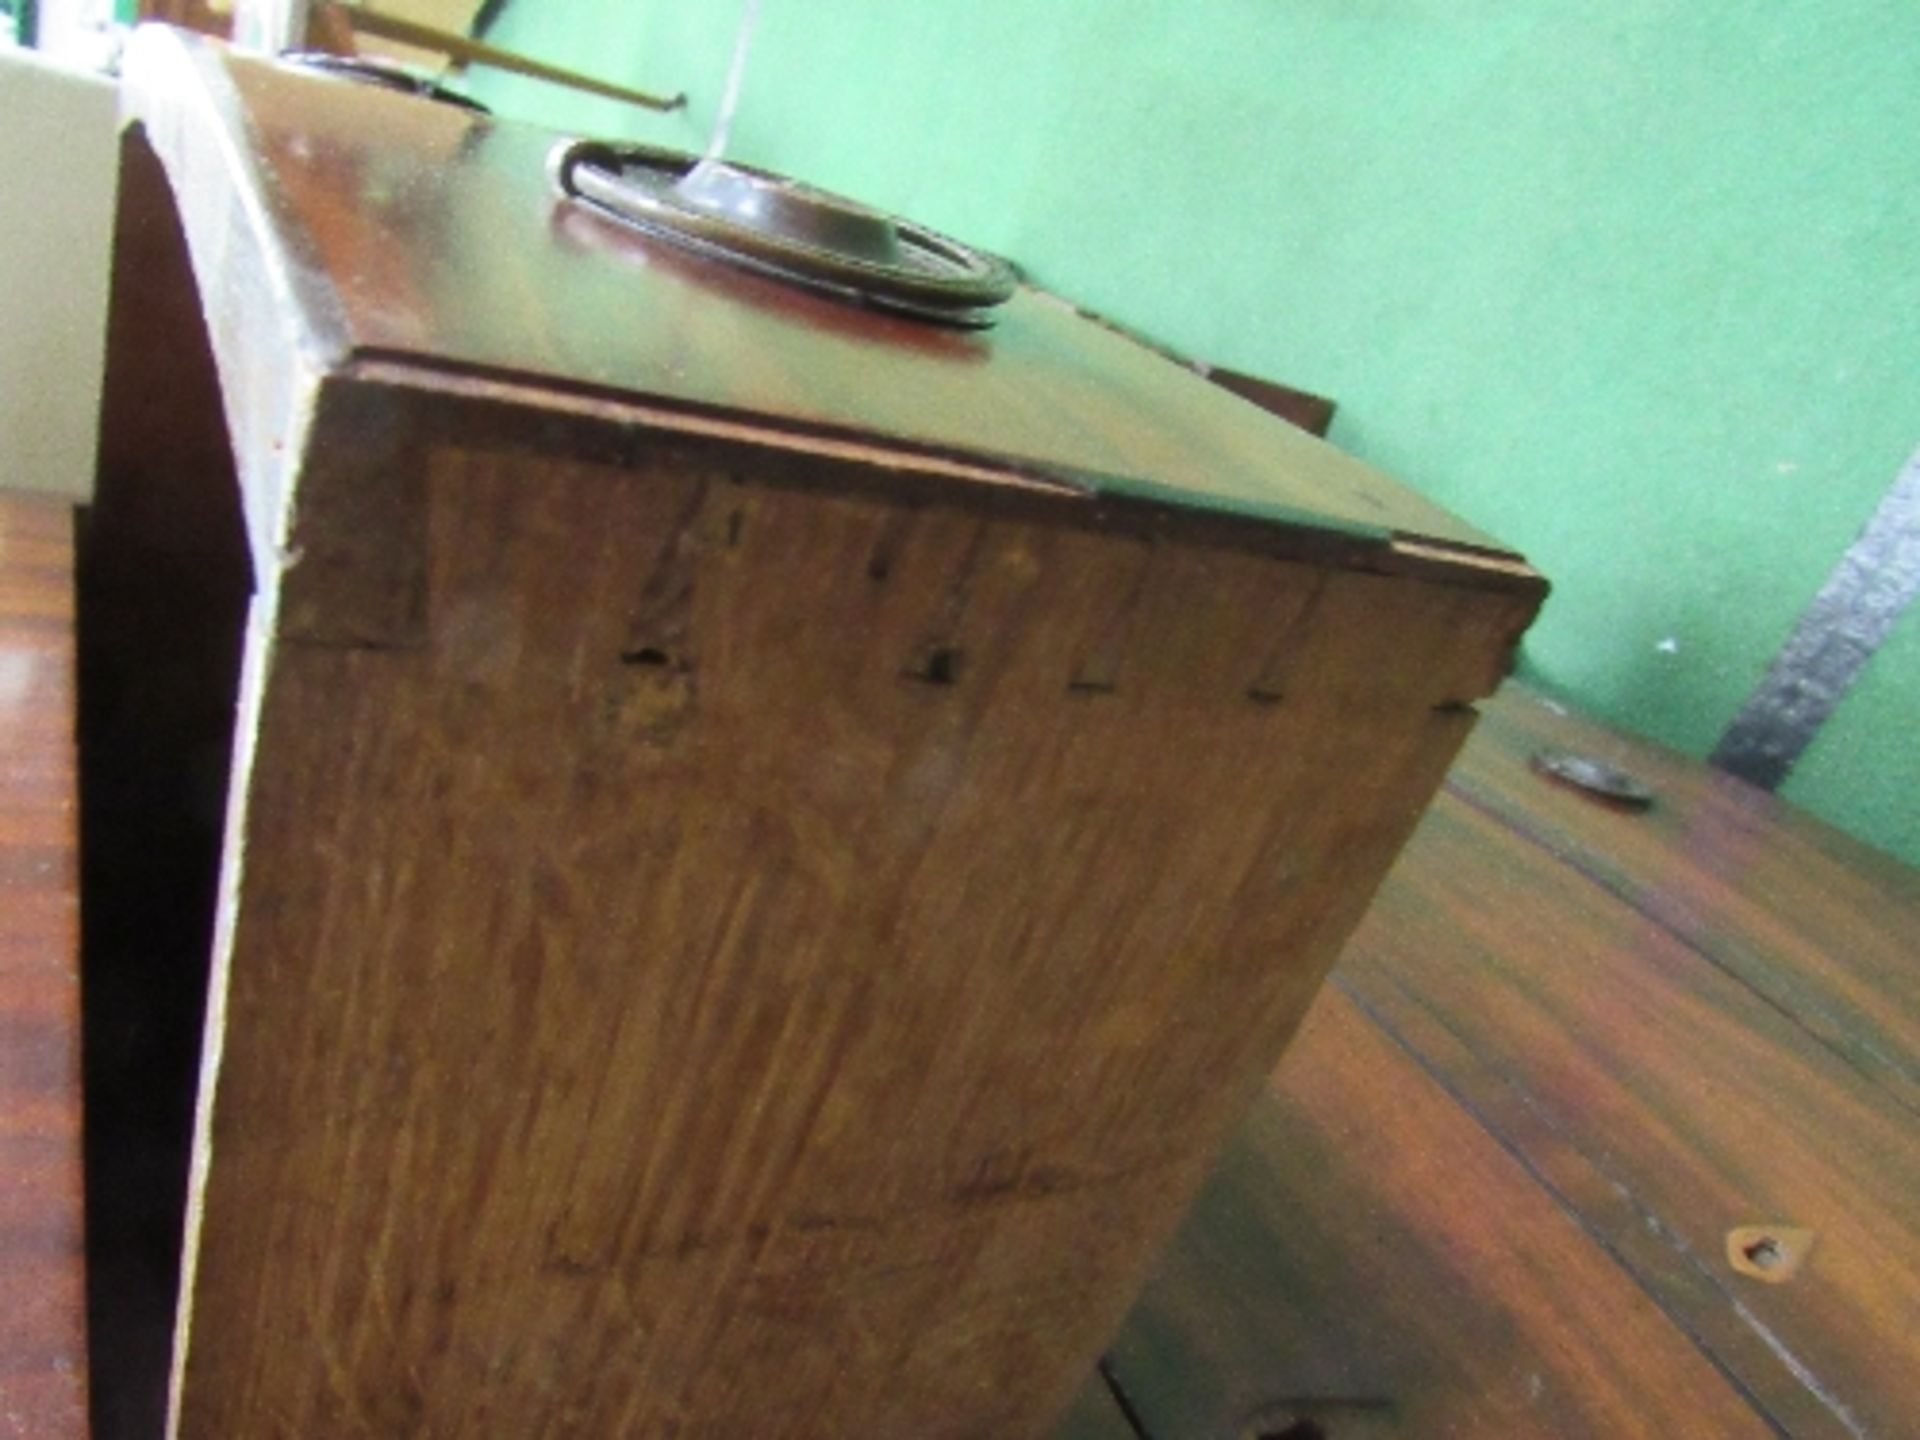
x=1810, y=919
x=1668, y=1104
x=876, y=947
x=1494, y=1186
x=1369, y=1259
x=43, y=1368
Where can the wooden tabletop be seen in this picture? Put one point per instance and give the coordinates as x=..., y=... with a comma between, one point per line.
x=43, y=1361
x=1605, y=1125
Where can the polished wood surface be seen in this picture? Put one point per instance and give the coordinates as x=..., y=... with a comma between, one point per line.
x=392, y=227
x=752, y=894
x=1370, y=1260
x=43, y=1361
x=1559, y=1077
x=1794, y=909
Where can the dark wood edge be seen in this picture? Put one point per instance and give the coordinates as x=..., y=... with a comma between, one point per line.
x=519, y=412
x=179, y=103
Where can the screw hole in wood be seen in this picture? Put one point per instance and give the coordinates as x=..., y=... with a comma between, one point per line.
x=938, y=665
x=1769, y=1252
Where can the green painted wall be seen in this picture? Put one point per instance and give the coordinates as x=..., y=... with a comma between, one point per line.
x=1636, y=286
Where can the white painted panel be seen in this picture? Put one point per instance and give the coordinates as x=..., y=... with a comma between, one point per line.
x=57, y=167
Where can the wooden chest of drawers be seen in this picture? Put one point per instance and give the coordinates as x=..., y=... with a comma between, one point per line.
x=768, y=844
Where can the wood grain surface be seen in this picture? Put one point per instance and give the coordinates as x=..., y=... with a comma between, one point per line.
x=1495, y=1188
x=1413, y=1238
x=759, y=873
x=1807, y=917
x=1574, y=1063
x=43, y=1362
x=395, y=227
x=1370, y=1260
x=886, y=948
